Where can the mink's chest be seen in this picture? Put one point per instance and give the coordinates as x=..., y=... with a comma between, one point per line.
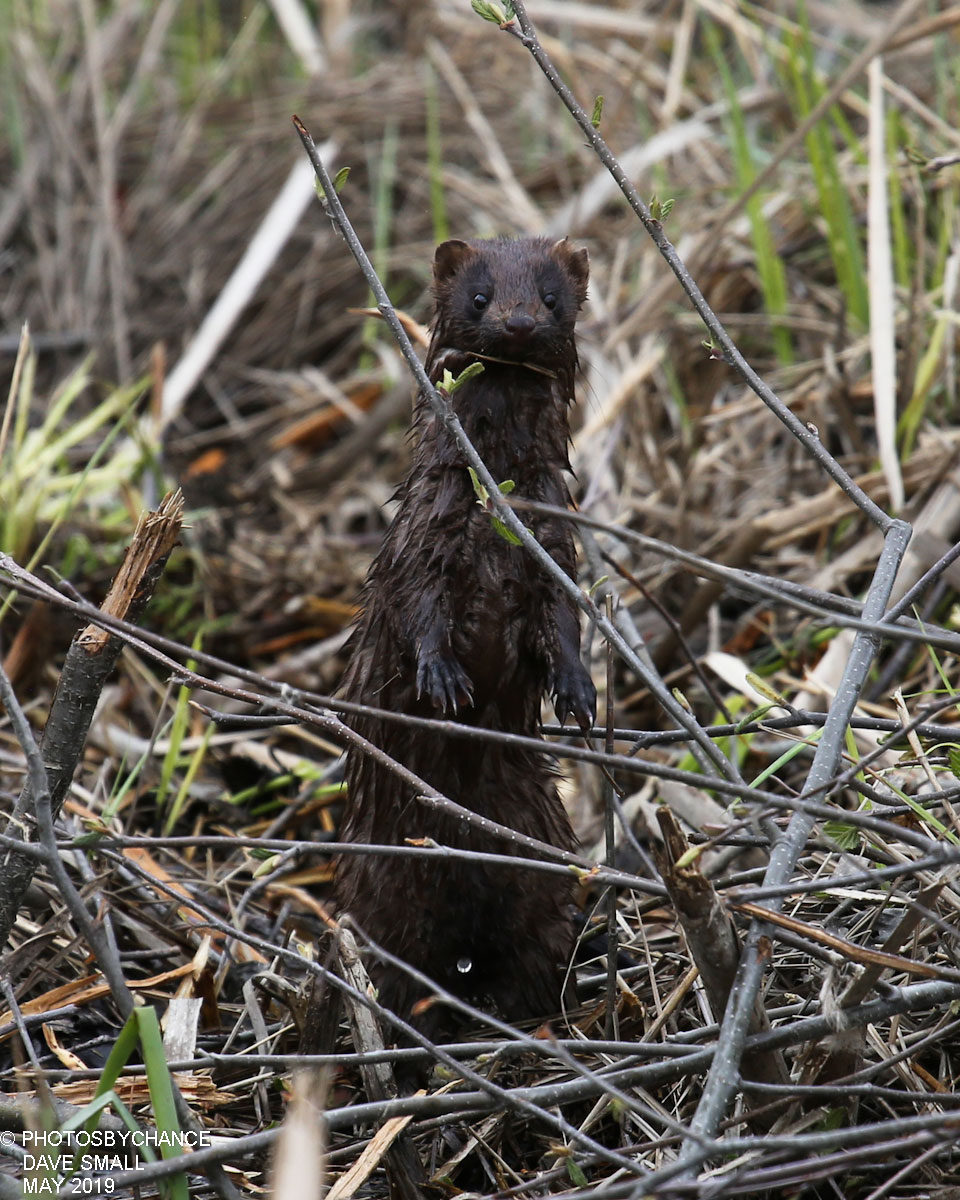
x=498, y=608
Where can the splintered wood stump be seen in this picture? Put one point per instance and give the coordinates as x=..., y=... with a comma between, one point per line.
x=92, y=656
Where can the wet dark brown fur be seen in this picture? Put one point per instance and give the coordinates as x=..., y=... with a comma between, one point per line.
x=458, y=621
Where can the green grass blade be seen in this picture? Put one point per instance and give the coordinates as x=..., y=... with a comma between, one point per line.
x=161, y=1094
x=109, y=1099
x=183, y=792
x=923, y=382
x=119, y=793
x=21, y=422
x=54, y=446
x=178, y=729
x=843, y=235
x=773, y=277
x=788, y=755
x=64, y=397
x=117, y=1059
x=77, y=485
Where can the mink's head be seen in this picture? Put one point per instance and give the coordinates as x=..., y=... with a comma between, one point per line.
x=516, y=300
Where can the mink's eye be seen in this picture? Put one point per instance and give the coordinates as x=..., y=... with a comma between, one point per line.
x=550, y=301
x=480, y=301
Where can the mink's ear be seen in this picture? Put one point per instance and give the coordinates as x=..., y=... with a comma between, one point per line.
x=576, y=263
x=449, y=258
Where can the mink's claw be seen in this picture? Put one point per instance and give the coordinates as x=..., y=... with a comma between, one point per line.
x=574, y=696
x=444, y=682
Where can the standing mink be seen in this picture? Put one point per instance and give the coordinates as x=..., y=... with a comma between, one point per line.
x=460, y=622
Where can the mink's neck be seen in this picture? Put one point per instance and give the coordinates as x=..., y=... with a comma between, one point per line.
x=516, y=420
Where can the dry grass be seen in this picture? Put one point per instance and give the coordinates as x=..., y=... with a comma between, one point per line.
x=140, y=149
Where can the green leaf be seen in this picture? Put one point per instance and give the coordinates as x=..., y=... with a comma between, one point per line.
x=660, y=209
x=575, y=1171
x=268, y=866
x=757, y=715
x=260, y=854
x=507, y=534
x=689, y=857
x=86, y=841
x=489, y=11
x=833, y=1118
x=338, y=181
x=765, y=690
x=847, y=837
x=458, y=381
x=597, y=112
x=449, y=383
x=483, y=499
x=482, y=494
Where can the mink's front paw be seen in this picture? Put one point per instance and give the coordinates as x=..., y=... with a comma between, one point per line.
x=441, y=678
x=574, y=695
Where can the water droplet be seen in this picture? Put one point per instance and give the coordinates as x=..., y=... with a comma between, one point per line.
x=464, y=965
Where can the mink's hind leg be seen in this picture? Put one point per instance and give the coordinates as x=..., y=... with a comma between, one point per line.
x=522, y=978
x=531, y=988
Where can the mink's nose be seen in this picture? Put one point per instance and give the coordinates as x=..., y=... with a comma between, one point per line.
x=520, y=325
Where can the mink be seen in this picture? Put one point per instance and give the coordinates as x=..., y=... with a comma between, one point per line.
x=458, y=622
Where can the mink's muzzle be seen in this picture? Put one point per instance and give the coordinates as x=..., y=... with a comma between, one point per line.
x=519, y=326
